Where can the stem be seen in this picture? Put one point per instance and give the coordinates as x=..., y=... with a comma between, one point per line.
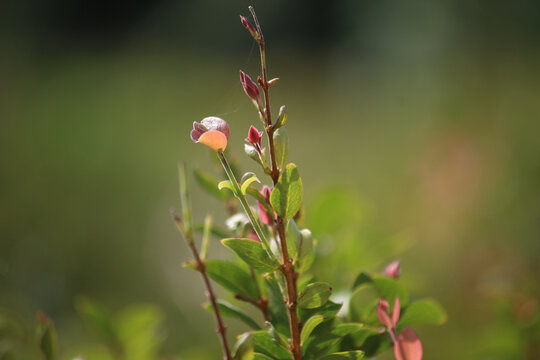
x=242, y=198
x=287, y=267
x=186, y=229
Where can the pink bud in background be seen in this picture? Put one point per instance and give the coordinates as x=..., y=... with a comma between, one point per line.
x=393, y=269
x=250, y=87
x=254, y=136
x=408, y=346
x=212, y=132
x=253, y=235
x=249, y=27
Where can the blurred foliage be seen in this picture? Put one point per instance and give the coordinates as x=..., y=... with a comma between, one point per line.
x=414, y=124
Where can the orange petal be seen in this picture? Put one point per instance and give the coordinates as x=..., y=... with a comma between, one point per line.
x=408, y=346
x=214, y=139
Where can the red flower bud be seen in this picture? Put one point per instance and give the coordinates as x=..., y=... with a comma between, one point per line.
x=249, y=27
x=250, y=87
x=254, y=136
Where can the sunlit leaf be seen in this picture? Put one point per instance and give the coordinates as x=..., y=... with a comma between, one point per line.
x=253, y=253
x=286, y=197
x=294, y=238
x=265, y=345
x=314, y=295
x=226, y=184
x=247, y=180
x=309, y=326
x=244, y=347
x=281, y=146
x=232, y=277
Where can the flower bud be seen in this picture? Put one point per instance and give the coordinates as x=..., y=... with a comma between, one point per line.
x=265, y=216
x=250, y=87
x=249, y=27
x=254, y=136
x=393, y=270
x=212, y=132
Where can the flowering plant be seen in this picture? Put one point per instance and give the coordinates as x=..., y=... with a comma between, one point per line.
x=299, y=319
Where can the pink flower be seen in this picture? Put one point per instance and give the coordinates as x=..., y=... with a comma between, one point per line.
x=393, y=269
x=212, y=132
x=265, y=216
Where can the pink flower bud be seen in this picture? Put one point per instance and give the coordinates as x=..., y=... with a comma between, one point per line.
x=250, y=87
x=253, y=235
x=249, y=27
x=254, y=136
x=383, y=315
x=393, y=270
x=265, y=216
x=212, y=132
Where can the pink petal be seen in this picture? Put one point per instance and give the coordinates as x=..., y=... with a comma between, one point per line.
x=393, y=270
x=195, y=135
x=382, y=314
x=395, y=311
x=408, y=346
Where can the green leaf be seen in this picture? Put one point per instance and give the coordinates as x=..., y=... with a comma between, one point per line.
x=253, y=253
x=281, y=146
x=314, y=295
x=294, y=238
x=328, y=310
x=286, y=197
x=48, y=343
x=347, y=328
x=253, y=154
x=243, y=348
x=232, y=311
x=276, y=306
x=390, y=288
x=226, y=184
x=97, y=319
x=259, y=356
x=362, y=278
x=306, y=253
x=209, y=183
x=247, y=179
x=424, y=311
x=232, y=277
x=348, y=355
x=265, y=345
x=309, y=326
x=282, y=117
x=276, y=336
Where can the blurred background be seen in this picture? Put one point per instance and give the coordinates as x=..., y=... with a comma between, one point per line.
x=415, y=126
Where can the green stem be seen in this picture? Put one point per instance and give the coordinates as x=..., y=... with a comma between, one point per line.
x=242, y=198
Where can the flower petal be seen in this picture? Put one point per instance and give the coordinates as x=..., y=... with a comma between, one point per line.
x=214, y=139
x=408, y=346
x=395, y=311
x=382, y=313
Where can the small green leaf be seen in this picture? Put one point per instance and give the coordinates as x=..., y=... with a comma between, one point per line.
x=190, y=264
x=314, y=295
x=347, y=355
x=254, y=154
x=424, y=311
x=276, y=336
x=328, y=310
x=347, y=328
x=253, y=253
x=306, y=253
x=276, y=306
x=259, y=356
x=247, y=179
x=243, y=348
x=47, y=337
x=282, y=117
x=232, y=277
x=362, y=278
x=286, y=197
x=209, y=183
x=226, y=184
x=265, y=345
x=309, y=326
x=97, y=319
x=232, y=311
x=281, y=145
x=390, y=288
x=294, y=237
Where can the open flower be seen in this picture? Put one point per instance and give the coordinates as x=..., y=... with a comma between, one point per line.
x=212, y=132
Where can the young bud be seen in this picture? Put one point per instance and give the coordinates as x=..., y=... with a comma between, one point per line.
x=250, y=87
x=254, y=137
x=249, y=27
x=282, y=117
x=273, y=81
x=265, y=216
x=393, y=270
x=382, y=314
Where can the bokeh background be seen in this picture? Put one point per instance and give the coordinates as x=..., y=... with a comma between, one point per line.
x=415, y=126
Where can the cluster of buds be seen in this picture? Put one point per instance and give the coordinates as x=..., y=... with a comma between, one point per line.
x=407, y=345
